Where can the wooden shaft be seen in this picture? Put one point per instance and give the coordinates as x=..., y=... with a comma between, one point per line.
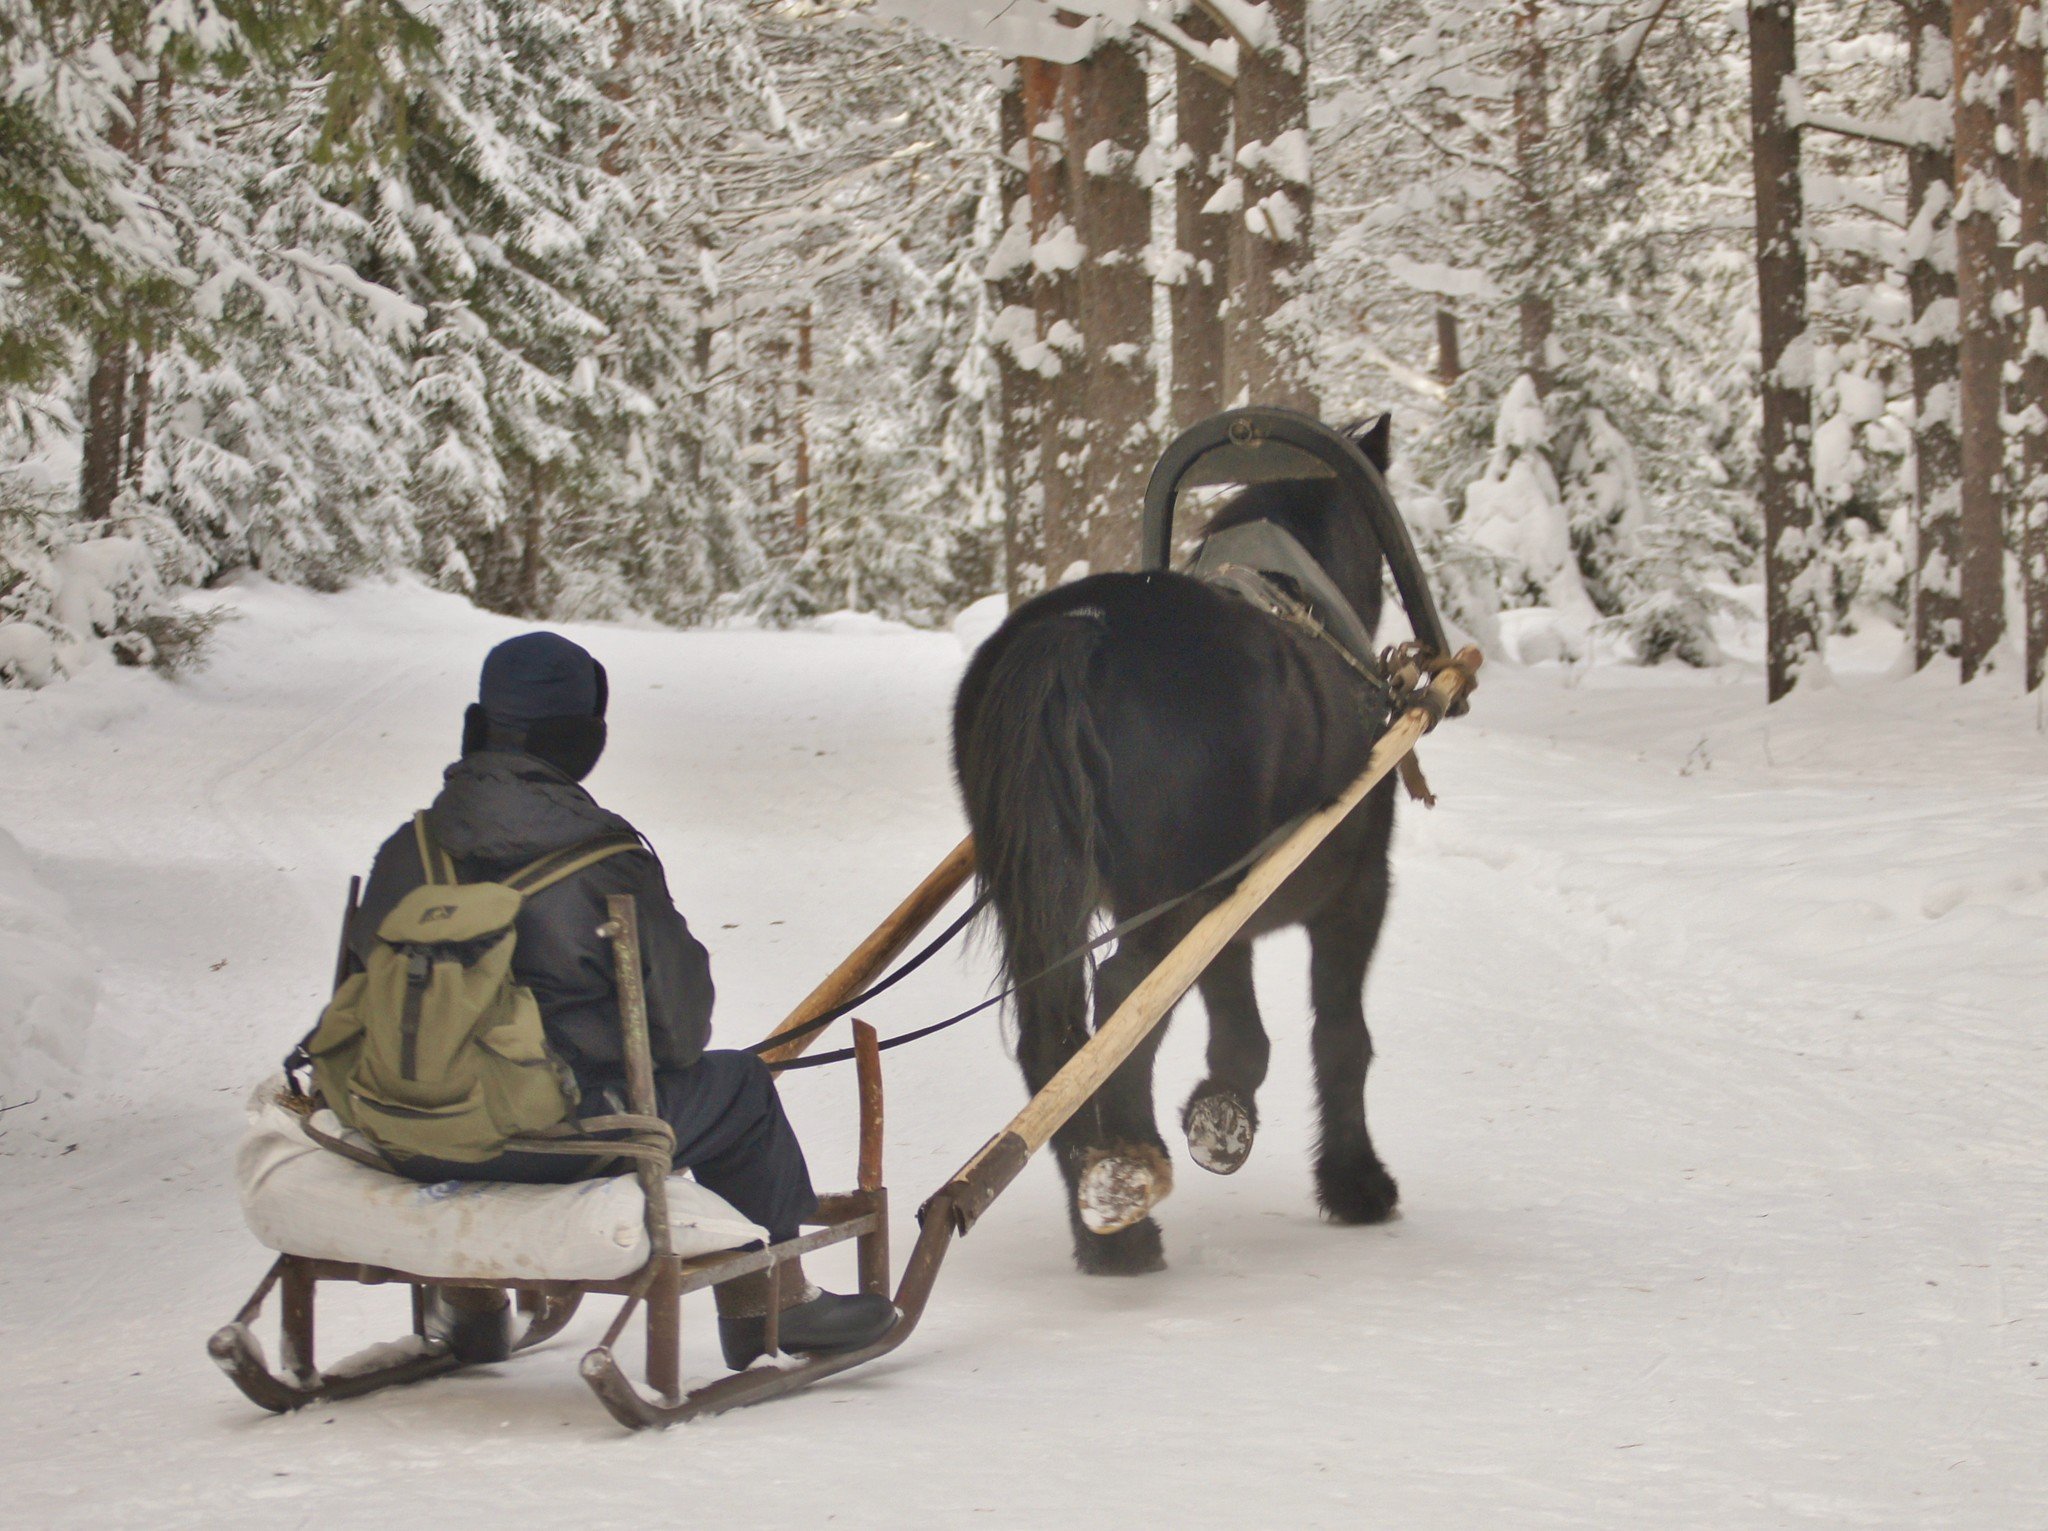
x=624, y=933
x=864, y=965
x=1162, y=988
x=867, y=1067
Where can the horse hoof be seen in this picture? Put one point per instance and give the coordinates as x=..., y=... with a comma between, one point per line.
x=1220, y=1132
x=1119, y=1186
x=1356, y=1191
x=1137, y=1251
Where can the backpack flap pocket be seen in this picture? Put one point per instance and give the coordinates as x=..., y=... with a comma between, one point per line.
x=451, y=916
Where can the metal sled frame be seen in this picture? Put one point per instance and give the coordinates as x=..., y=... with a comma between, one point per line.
x=659, y=1285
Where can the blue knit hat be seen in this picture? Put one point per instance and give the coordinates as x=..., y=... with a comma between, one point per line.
x=540, y=675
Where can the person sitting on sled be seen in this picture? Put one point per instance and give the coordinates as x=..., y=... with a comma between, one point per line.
x=534, y=732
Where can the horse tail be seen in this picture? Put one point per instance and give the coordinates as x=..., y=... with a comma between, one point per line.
x=1029, y=759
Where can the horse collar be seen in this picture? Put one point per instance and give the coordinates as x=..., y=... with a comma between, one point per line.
x=1243, y=559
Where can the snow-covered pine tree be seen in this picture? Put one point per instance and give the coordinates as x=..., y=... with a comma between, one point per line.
x=1429, y=261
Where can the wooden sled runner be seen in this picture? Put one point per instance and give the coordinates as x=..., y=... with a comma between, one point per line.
x=1242, y=446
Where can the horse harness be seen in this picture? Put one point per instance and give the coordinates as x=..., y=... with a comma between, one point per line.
x=1250, y=560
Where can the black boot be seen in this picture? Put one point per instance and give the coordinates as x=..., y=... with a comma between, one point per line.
x=825, y=1324
x=473, y=1322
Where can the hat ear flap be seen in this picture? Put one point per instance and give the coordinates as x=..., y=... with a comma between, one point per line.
x=570, y=745
x=476, y=730
x=604, y=689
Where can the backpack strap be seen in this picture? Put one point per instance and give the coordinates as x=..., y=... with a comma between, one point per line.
x=433, y=860
x=567, y=862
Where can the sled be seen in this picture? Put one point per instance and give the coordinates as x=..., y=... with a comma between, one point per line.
x=548, y=1301
x=1425, y=685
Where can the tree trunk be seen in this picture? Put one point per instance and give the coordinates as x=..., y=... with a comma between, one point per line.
x=1017, y=351
x=1269, y=344
x=532, y=545
x=1786, y=472
x=1931, y=286
x=700, y=365
x=1106, y=134
x=138, y=411
x=145, y=358
x=1978, y=38
x=106, y=427
x=1449, y=368
x=102, y=454
x=1535, y=308
x=802, y=427
x=1202, y=108
x=2010, y=305
x=1052, y=101
x=2033, y=270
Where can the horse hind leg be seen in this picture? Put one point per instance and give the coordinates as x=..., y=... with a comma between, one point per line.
x=1221, y=1117
x=1351, y=1184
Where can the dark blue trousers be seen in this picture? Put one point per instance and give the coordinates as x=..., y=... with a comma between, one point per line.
x=730, y=1130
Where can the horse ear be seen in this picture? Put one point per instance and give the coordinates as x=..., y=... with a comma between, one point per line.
x=1376, y=441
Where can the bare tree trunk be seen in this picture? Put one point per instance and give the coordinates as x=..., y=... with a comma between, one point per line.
x=700, y=362
x=138, y=411
x=1931, y=286
x=1052, y=101
x=2033, y=270
x=1979, y=41
x=1786, y=472
x=2010, y=304
x=1023, y=404
x=102, y=454
x=106, y=424
x=1113, y=216
x=1449, y=368
x=145, y=361
x=532, y=551
x=617, y=86
x=801, y=424
x=1269, y=344
x=1202, y=107
x=1535, y=308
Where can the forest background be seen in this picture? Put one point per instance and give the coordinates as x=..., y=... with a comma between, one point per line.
x=695, y=310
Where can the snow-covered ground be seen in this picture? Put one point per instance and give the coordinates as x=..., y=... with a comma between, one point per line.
x=1713, y=1062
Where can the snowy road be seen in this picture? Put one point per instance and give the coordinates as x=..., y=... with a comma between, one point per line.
x=1713, y=1062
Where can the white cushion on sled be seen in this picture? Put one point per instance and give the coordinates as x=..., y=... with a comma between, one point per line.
x=302, y=1199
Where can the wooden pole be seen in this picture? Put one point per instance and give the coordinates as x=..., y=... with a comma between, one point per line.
x=867, y=1050
x=1163, y=987
x=624, y=934
x=864, y=965
x=664, y=1293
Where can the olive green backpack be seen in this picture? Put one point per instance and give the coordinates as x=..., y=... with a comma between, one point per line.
x=435, y=1049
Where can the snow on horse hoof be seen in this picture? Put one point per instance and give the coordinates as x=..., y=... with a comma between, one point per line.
x=1220, y=1132
x=1119, y=1186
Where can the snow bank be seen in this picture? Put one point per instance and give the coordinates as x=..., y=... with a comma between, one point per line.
x=47, y=987
x=978, y=622
x=28, y=655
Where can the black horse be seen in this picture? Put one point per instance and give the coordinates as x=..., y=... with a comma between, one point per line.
x=1120, y=741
